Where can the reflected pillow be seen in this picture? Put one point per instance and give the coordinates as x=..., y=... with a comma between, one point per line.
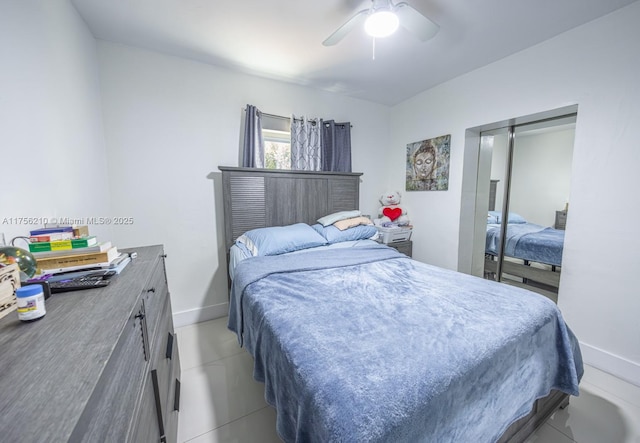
x=277, y=240
x=335, y=235
x=496, y=217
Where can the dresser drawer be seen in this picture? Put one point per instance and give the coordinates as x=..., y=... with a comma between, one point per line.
x=146, y=428
x=162, y=362
x=108, y=414
x=173, y=397
x=173, y=404
x=155, y=294
x=155, y=416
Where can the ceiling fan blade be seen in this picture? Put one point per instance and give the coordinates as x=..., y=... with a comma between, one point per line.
x=343, y=30
x=416, y=23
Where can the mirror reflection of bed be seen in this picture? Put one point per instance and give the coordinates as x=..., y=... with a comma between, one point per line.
x=530, y=183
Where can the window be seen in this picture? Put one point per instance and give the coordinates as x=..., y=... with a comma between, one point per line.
x=277, y=149
x=276, y=133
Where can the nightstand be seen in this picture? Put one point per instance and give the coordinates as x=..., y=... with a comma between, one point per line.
x=406, y=247
x=561, y=220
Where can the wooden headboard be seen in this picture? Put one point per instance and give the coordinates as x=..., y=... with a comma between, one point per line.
x=258, y=198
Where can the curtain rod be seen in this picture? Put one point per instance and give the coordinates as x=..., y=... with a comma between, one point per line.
x=275, y=116
x=286, y=118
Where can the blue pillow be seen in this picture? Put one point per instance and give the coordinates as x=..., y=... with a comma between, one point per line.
x=335, y=235
x=280, y=239
x=337, y=216
x=496, y=217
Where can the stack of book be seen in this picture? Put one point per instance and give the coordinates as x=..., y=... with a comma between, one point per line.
x=67, y=248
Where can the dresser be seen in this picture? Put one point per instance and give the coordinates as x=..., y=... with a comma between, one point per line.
x=561, y=220
x=101, y=365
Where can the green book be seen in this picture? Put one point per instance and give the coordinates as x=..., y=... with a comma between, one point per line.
x=63, y=245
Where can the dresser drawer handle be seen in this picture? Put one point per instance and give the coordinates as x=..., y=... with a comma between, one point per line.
x=151, y=290
x=169, y=353
x=141, y=315
x=156, y=395
x=176, y=398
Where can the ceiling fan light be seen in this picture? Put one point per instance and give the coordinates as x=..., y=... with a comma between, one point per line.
x=381, y=24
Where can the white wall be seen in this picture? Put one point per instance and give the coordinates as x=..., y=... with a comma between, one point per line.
x=51, y=135
x=596, y=66
x=169, y=124
x=541, y=173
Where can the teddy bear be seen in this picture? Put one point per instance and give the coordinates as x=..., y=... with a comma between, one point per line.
x=391, y=211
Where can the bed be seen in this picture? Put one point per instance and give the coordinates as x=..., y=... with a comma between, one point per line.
x=361, y=343
x=534, y=252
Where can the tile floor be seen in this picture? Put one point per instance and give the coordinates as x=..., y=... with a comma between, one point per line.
x=221, y=402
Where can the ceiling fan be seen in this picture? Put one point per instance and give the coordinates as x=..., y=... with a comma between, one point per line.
x=383, y=18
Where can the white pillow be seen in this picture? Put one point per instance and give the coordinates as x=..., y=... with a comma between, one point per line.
x=337, y=216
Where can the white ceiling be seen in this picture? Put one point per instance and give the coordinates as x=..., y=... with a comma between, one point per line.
x=282, y=39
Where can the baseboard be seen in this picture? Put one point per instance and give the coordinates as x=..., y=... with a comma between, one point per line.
x=191, y=316
x=613, y=364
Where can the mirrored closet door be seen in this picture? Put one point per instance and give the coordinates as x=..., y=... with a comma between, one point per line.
x=528, y=167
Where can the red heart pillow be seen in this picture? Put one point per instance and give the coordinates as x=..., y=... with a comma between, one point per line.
x=392, y=213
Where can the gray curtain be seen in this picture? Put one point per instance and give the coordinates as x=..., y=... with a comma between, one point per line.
x=336, y=146
x=306, y=144
x=253, y=148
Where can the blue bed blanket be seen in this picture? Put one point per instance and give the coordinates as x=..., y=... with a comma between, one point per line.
x=528, y=241
x=368, y=345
